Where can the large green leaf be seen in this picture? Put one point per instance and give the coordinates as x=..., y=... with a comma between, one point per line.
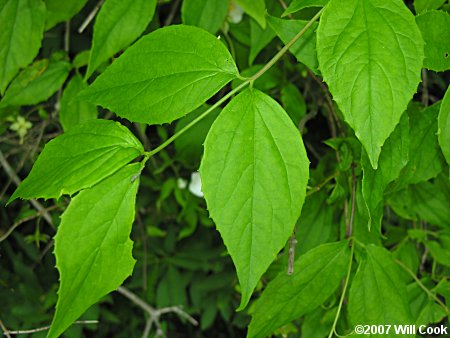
x=444, y=126
x=74, y=111
x=435, y=28
x=164, y=75
x=424, y=153
x=79, y=159
x=36, y=83
x=370, y=53
x=20, y=36
x=256, y=9
x=93, y=246
x=118, y=24
x=59, y=11
x=378, y=294
x=317, y=275
x=297, y=5
x=254, y=173
x=305, y=48
x=393, y=158
x=206, y=14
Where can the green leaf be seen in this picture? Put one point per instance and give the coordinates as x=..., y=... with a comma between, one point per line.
x=370, y=54
x=425, y=5
x=393, y=158
x=256, y=9
x=20, y=36
x=434, y=26
x=297, y=5
x=75, y=111
x=206, y=14
x=93, y=246
x=118, y=24
x=316, y=225
x=440, y=251
x=164, y=75
x=260, y=38
x=317, y=275
x=444, y=126
x=424, y=153
x=304, y=49
x=378, y=294
x=293, y=102
x=79, y=159
x=59, y=11
x=254, y=174
x=36, y=83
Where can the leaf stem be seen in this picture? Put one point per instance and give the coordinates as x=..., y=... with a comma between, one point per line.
x=250, y=81
x=341, y=301
x=286, y=47
x=423, y=287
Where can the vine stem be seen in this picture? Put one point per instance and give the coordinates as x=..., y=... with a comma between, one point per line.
x=247, y=81
x=423, y=287
x=341, y=301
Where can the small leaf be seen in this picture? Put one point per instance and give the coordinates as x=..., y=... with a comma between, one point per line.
x=206, y=14
x=393, y=158
x=164, y=75
x=74, y=111
x=260, y=38
x=20, y=36
x=93, y=246
x=370, y=54
x=378, y=294
x=36, y=83
x=426, y=5
x=297, y=5
x=59, y=11
x=317, y=275
x=444, y=126
x=304, y=49
x=435, y=28
x=256, y=9
x=79, y=159
x=254, y=174
x=293, y=102
x=118, y=24
x=424, y=153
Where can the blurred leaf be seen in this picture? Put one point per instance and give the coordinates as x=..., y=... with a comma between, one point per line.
x=434, y=26
x=59, y=11
x=425, y=5
x=378, y=294
x=118, y=24
x=206, y=14
x=20, y=36
x=256, y=9
x=36, y=83
x=297, y=5
x=305, y=48
x=293, y=102
x=444, y=126
x=317, y=274
x=74, y=111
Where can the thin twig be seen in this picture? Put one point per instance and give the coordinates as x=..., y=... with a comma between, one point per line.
x=5, y=330
x=423, y=287
x=171, y=15
x=45, y=328
x=154, y=314
x=90, y=17
x=283, y=4
x=352, y=212
x=38, y=206
x=67, y=37
x=425, y=95
x=291, y=253
x=26, y=219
